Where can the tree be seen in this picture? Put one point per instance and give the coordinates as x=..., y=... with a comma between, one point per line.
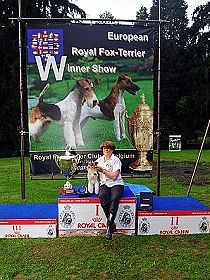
x=173, y=54
x=197, y=96
x=107, y=16
x=9, y=63
x=142, y=14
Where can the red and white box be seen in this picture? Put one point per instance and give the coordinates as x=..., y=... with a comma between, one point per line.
x=25, y=228
x=84, y=216
x=28, y=220
x=174, y=222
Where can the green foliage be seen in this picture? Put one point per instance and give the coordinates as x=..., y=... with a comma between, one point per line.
x=184, y=69
x=106, y=15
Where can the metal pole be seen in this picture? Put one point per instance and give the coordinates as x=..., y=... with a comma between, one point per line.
x=78, y=20
x=158, y=110
x=199, y=155
x=22, y=132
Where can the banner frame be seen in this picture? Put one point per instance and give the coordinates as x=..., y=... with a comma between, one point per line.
x=20, y=20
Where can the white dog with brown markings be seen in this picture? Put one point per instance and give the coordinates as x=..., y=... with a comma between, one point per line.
x=66, y=113
x=93, y=180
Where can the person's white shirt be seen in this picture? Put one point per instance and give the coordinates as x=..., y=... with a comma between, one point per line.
x=112, y=165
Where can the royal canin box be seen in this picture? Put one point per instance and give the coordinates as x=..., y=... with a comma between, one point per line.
x=84, y=216
x=174, y=216
x=28, y=220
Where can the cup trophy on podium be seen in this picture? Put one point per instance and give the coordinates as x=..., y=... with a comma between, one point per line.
x=140, y=128
x=68, y=166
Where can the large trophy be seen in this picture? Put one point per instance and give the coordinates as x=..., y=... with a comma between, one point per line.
x=140, y=129
x=68, y=165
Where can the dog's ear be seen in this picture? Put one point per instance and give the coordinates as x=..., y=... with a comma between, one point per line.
x=122, y=77
x=79, y=83
x=89, y=82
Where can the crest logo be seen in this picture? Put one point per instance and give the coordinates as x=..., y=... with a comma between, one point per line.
x=144, y=226
x=67, y=217
x=126, y=217
x=45, y=43
x=204, y=225
x=50, y=231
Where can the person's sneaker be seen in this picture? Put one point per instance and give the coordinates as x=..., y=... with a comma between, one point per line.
x=109, y=234
x=112, y=226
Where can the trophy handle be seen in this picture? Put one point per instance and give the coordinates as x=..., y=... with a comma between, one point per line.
x=79, y=157
x=75, y=161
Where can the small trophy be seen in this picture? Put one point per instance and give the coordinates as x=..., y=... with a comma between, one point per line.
x=68, y=165
x=140, y=128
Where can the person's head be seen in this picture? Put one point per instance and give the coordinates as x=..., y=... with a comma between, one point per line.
x=107, y=145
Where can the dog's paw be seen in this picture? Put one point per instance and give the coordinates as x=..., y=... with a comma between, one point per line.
x=38, y=141
x=80, y=143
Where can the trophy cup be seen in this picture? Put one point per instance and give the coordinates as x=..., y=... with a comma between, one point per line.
x=68, y=165
x=140, y=129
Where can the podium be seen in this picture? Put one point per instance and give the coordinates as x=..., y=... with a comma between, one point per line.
x=84, y=215
x=28, y=220
x=174, y=216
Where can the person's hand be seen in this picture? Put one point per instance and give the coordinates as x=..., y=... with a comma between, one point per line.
x=100, y=169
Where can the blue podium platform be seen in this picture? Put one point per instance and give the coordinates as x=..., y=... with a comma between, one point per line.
x=28, y=211
x=137, y=189
x=128, y=192
x=177, y=203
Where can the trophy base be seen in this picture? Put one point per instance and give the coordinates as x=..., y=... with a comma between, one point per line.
x=65, y=191
x=140, y=167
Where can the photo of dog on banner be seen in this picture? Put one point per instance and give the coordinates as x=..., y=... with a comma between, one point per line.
x=66, y=113
x=80, y=105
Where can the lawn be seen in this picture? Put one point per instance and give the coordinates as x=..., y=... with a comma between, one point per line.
x=125, y=257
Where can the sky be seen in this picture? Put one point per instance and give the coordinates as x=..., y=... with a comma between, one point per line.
x=125, y=9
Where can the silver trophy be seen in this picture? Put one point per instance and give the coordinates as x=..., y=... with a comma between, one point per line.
x=68, y=166
x=140, y=128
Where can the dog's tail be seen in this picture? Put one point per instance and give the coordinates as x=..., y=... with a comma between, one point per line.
x=43, y=92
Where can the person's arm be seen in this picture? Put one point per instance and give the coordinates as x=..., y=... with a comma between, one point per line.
x=110, y=175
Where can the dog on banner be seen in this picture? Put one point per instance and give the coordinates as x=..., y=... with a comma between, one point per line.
x=93, y=180
x=113, y=106
x=66, y=113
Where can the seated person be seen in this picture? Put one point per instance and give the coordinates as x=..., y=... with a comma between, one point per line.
x=111, y=184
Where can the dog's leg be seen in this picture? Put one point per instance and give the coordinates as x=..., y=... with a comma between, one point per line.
x=96, y=187
x=90, y=187
x=78, y=135
x=37, y=129
x=122, y=123
x=69, y=134
x=116, y=123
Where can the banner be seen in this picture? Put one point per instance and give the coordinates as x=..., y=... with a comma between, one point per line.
x=87, y=84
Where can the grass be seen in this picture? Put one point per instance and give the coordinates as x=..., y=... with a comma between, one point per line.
x=153, y=257
x=126, y=257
